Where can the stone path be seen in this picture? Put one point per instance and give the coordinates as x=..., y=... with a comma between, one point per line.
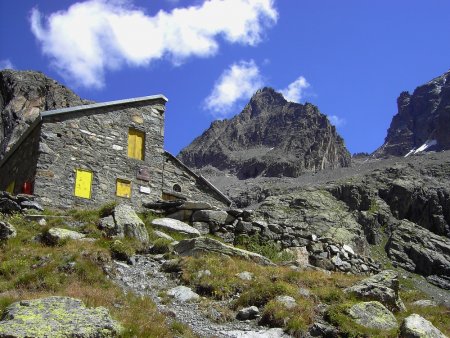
x=145, y=277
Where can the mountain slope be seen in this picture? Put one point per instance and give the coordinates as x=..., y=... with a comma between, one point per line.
x=422, y=121
x=23, y=94
x=270, y=137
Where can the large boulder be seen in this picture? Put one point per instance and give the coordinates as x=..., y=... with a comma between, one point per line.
x=57, y=317
x=373, y=315
x=55, y=236
x=173, y=225
x=128, y=223
x=382, y=287
x=205, y=245
x=7, y=231
x=416, y=326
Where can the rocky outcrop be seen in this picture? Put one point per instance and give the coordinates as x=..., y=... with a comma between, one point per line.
x=419, y=250
x=23, y=95
x=373, y=315
x=57, y=317
x=270, y=137
x=422, y=121
x=382, y=287
x=206, y=245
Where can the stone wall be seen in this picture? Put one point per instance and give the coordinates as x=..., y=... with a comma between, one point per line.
x=20, y=167
x=97, y=140
x=191, y=186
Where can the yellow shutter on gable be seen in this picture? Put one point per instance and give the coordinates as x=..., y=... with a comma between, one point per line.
x=11, y=187
x=83, y=183
x=136, y=144
x=123, y=188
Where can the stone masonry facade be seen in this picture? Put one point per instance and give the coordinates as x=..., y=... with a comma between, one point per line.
x=95, y=138
x=190, y=186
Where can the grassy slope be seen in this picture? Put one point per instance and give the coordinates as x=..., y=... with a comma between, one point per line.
x=29, y=269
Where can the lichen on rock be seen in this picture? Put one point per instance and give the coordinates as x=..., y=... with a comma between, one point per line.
x=57, y=317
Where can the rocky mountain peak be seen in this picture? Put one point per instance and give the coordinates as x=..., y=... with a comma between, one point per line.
x=23, y=94
x=270, y=137
x=422, y=121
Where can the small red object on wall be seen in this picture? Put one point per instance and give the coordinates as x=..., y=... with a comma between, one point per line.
x=27, y=188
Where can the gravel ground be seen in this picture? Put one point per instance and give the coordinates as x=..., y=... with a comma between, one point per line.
x=144, y=277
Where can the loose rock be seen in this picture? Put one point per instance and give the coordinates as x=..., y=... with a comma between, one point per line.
x=416, y=326
x=7, y=231
x=183, y=294
x=250, y=312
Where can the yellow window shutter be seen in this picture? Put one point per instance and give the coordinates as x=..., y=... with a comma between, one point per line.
x=131, y=143
x=11, y=187
x=83, y=183
x=136, y=144
x=123, y=188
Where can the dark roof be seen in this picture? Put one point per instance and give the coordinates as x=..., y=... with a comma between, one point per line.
x=102, y=104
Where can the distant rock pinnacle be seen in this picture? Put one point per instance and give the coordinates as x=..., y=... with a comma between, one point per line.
x=422, y=121
x=270, y=137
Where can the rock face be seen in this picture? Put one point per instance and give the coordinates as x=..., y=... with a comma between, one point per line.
x=419, y=250
x=57, y=317
x=23, y=94
x=423, y=120
x=270, y=137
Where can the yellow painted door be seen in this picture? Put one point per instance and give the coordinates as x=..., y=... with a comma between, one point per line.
x=83, y=183
x=136, y=144
x=123, y=188
x=10, y=187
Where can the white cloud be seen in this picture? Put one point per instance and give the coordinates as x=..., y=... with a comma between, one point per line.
x=336, y=120
x=295, y=91
x=6, y=64
x=240, y=81
x=94, y=36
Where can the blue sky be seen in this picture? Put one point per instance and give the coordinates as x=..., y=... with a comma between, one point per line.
x=351, y=58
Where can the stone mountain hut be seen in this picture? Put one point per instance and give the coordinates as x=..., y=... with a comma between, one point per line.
x=92, y=154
